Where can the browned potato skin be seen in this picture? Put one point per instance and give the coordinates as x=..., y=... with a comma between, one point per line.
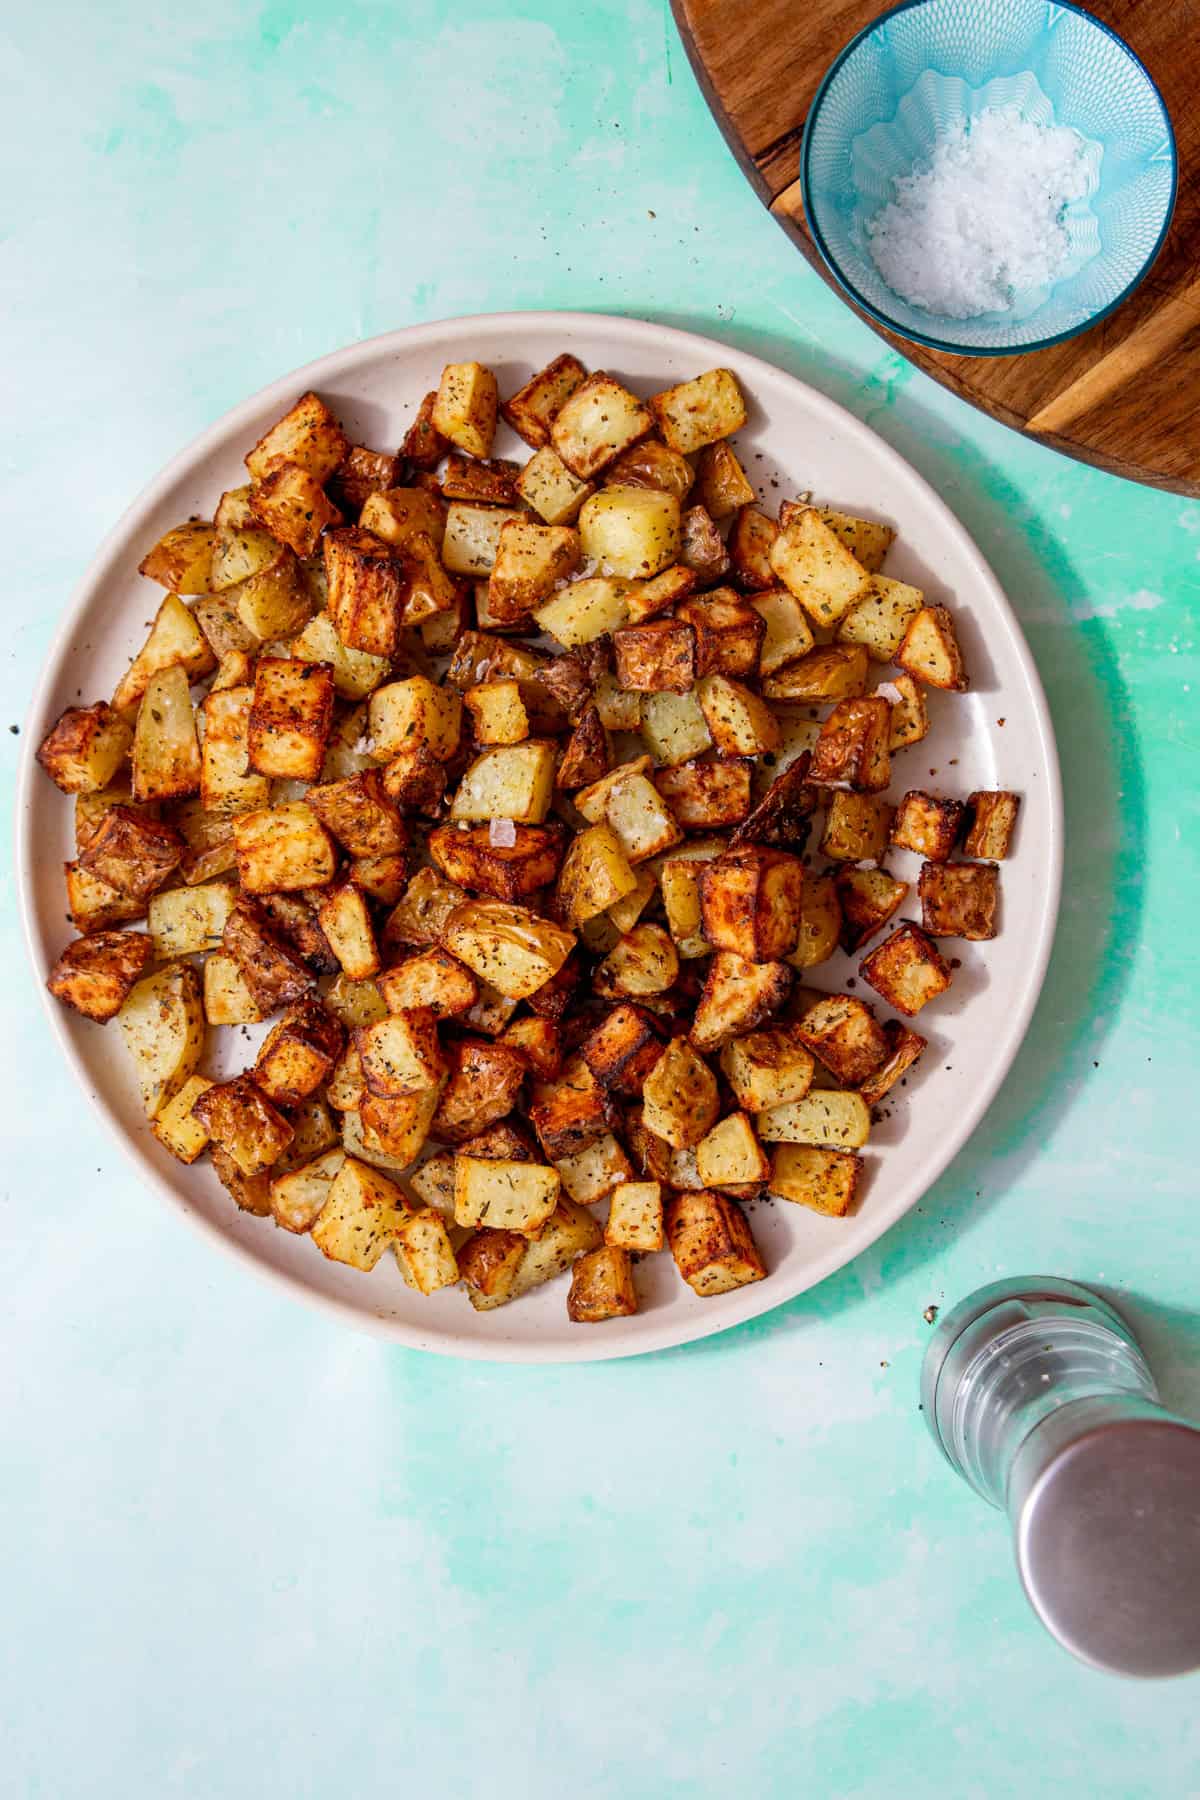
x=701, y=546
x=854, y=746
x=240, y=1119
x=501, y=871
x=488, y=1261
x=927, y=825
x=750, y=550
x=992, y=820
x=588, y=755
x=651, y=465
x=65, y=749
x=298, y=1054
x=361, y=814
x=728, y=632
x=737, y=996
x=574, y=1113
x=502, y=1142
x=290, y=717
x=869, y=898
x=623, y=1048
x=484, y=1081
x=417, y=780
x=274, y=973
x=292, y=505
x=711, y=1242
x=94, y=975
x=658, y=657
x=251, y=1192
x=366, y=589
x=431, y=978
x=489, y=483
x=959, y=899
x=133, y=853
x=845, y=1035
x=531, y=409
x=908, y=969
x=308, y=434
x=783, y=817
x=360, y=474
x=602, y=1287
x=295, y=915
x=423, y=444
x=750, y=901
x=906, y=1046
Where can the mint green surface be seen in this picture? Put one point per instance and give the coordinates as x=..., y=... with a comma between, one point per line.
x=246, y=1553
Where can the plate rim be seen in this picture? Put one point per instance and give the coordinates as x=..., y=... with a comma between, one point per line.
x=744, y=1303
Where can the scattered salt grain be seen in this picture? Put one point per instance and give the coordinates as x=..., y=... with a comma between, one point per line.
x=982, y=222
x=887, y=690
x=502, y=834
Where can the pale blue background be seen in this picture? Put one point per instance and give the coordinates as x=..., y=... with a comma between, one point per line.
x=246, y=1553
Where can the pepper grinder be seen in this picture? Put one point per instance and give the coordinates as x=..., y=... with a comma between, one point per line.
x=1037, y=1393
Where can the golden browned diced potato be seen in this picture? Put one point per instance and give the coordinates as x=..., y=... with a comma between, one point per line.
x=595, y=874
x=273, y=601
x=910, y=719
x=174, y=638
x=472, y=540
x=360, y=813
x=591, y=1174
x=927, y=825
x=85, y=747
x=853, y=746
x=315, y=1133
x=384, y=878
x=820, y=922
x=360, y=474
x=992, y=818
x=844, y=1034
x=632, y=532
x=879, y=620
x=163, y=1028
x=787, y=633
x=623, y=1048
x=400, y=1054
x=601, y=1287
x=491, y=483
x=674, y=727
x=767, y=1068
x=298, y=1197
x=508, y=1196
x=721, y=483
x=415, y=711
x=729, y=633
x=482, y=1088
x=132, y=852
x=741, y=724
x=646, y=599
x=737, y=995
x=588, y=755
x=643, y=962
x=291, y=504
x=598, y=420
x=238, y=1116
x=479, y=858
x=361, y=1216
x=393, y=1127
x=783, y=815
x=189, y=921
x=464, y=411
x=441, y=632
x=826, y=1180
x=228, y=999
x=283, y=848
x=298, y=1055
x=905, y=1047
x=498, y=714
x=346, y=922
x=701, y=546
x=356, y=673
x=869, y=898
x=91, y=808
x=699, y=412
x=650, y=464
x=712, y=1243
x=531, y=410
x=308, y=434
x=856, y=827
x=514, y=781
x=531, y=561
x=166, y=753
x=679, y=880
x=930, y=650
x=423, y=445
x=509, y=946
x=813, y=563
x=750, y=543
x=548, y=486
x=420, y=915
x=868, y=540
x=425, y=1253
x=402, y=515
x=635, y=1216
x=431, y=978
x=241, y=548
x=959, y=899
x=679, y=1096
x=355, y=1002
x=366, y=589
x=177, y=1128
x=639, y=817
x=830, y=672
x=182, y=560
x=95, y=974
x=626, y=911
x=209, y=839
x=538, y=1041
x=251, y=1193
x=290, y=718
x=908, y=969
x=572, y=1111
x=731, y=1155
x=568, y=1232
x=227, y=785
x=656, y=657
x=488, y=1264
x=830, y=1118
x=706, y=794
x=750, y=902
x=272, y=970
x=586, y=610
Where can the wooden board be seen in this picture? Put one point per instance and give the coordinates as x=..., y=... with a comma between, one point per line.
x=1125, y=395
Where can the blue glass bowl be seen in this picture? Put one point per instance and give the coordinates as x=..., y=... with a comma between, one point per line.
x=929, y=63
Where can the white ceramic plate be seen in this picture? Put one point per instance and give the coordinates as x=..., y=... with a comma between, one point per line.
x=999, y=735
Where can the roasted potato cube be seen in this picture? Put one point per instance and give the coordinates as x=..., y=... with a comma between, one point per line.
x=307, y=434
x=783, y=816
x=750, y=902
x=787, y=635
x=238, y=1116
x=737, y=996
x=905, y=1047
x=514, y=781
x=712, y=1243
x=166, y=754
x=431, y=978
x=879, y=620
x=707, y=794
x=618, y=709
x=927, y=825
x=531, y=561
x=657, y=656
x=163, y=1027
x=644, y=961
x=767, y=1068
x=820, y=922
x=420, y=916
x=674, y=728
x=844, y=1034
x=647, y=599
x=679, y=880
x=548, y=486
x=731, y=1155
x=507, y=1196
x=356, y=1002
x=701, y=546
x=640, y=818
x=425, y=1253
x=176, y=1127
x=273, y=971
x=853, y=746
x=464, y=411
x=415, y=778
x=868, y=539
x=346, y=922
x=626, y=911
x=813, y=563
x=366, y=589
x=741, y=724
x=298, y=1197
x=182, y=560
x=826, y=1180
x=869, y=898
x=538, y=1041
x=991, y=820
x=598, y=420
x=403, y=515
x=356, y=673
x=293, y=506
x=831, y=672
x=241, y=548
x=830, y=1118
x=175, y=637
x=360, y=474
x=651, y=1154
x=571, y=1112
x=415, y=711
x=283, y=848
x=959, y=899
x=227, y=785
x=95, y=905
x=601, y=1287
x=361, y=1216
x=423, y=445
x=679, y=1096
x=586, y=610
x=94, y=975
x=290, y=718
x=228, y=999
x=488, y=1264
x=297, y=1056
x=251, y=1193
x=750, y=544
x=908, y=969
x=930, y=650
x=593, y=801
x=595, y=874
x=698, y=412
x=209, y=839
x=431, y=590
x=91, y=808
x=532, y=409
x=591, y=1174
x=856, y=827
x=384, y=878
x=132, y=852
x=360, y=814
x=910, y=717
x=651, y=465
x=630, y=532
x=480, y=859
x=569, y=1231
x=400, y=1054
x=721, y=483
x=509, y=946
x=729, y=633
x=635, y=1216
x=189, y=921
x=587, y=757
x=498, y=713
x=394, y=1127
x=490, y=483
x=472, y=540
x=623, y=1048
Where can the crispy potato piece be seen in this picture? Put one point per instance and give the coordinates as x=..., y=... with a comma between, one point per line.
x=251, y=1193
x=420, y=915
x=166, y=753
x=930, y=650
x=910, y=718
x=959, y=899
x=595, y=874
x=227, y=785
x=869, y=898
x=701, y=546
x=425, y=1253
x=84, y=748
x=787, y=635
x=750, y=902
x=384, y=878
x=991, y=821
x=767, y=1068
x=635, y=1216
x=646, y=599
x=508, y=1196
x=489, y=483
x=592, y=803
x=360, y=814
x=361, y=1216
x=721, y=484
x=571, y=1112
x=163, y=1028
x=586, y=610
x=423, y=444
x=298, y=1197
x=601, y=1287
x=297, y=1056
x=366, y=589
x=813, y=563
x=292, y=505
x=273, y=971
x=656, y=657
x=538, y=1041
x=240, y=1119
x=674, y=728
x=472, y=541
x=95, y=974
x=830, y=1118
x=464, y=411
x=908, y=969
x=729, y=633
x=346, y=922
x=272, y=602
x=402, y=516
x=182, y=560
x=623, y=1048
x=394, y=1127
x=731, y=1155
x=478, y=859
x=176, y=1128
x=488, y=1264
x=825, y=1180
x=698, y=412
x=712, y=1243
x=927, y=825
x=132, y=852
x=296, y=916
x=175, y=637
x=679, y=880
x=227, y=996
x=400, y=1054
x=783, y=816
x=737, y=996
x=591, y=1174
x=290, y=718
x=868, y=540
x=360, y=474
x=853, y=746
x=94, y=904
x=498, y=714
x=820, y=922
x=741, y=724
x=308, y=434
x=91, y=808
x=415, y=711
x=632, y=532
x=905, y=1047
x=588, y=756
x=626, y=911
x=749, y=545
x=531, y=561
x=705, y=795
x=831, y=672
x=283, y=848
x=548, y=486
x=532, y=409
x=640, y=818
x=643, y=962
x=314, y=1133
x=651, y=465
x=512, y=781
x=431, y=978
x=679, y=1096
x=879, y=620
x=844, y=1034
x=597, y=420
x=189, y=921
x=483, y=1085
x=856, y=828
x=355, y=1002
x=509, y=946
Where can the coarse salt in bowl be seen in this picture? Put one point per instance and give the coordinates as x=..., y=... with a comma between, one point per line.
x=944, y=91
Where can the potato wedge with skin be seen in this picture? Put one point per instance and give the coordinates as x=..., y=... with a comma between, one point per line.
x=182, y=560
x=290, y=718
x=586, y=610
x=568, y=1232
x=767, y=1068
x=930, y=651
x=360, y=474
x=631, y=532
x=175, y=638
x=464, y=411
x=272, y=601
x=484, y=1081
x=508, y=1196
x=355, y=1003
x=782, y=818
x=595, y=874
x=366, y=589
x=297, y=1198
x=844, y=1034
x=856, y=827
x=491, y=482
x=647, y=599
x=750, y=543
x=308, y=434
x=166, y=753
x=825, y=1180
x=532, y=409
x=588, y=755
x=90, y=809
x=360, y=814
x=548, y=486
x=291, y=504
x=176, y=1127
x=531, y=561
x=502, y=871
x=701, y=546
x=596, y=421
x=513, y=781
x=869, y=898
x=737, y=996
x=282, y=849
x=421, y=913
x=635, y=1216
x=95, y=975
x=297, y=1056
x=711, y=1242
x=400, y=1054
x=572, y=1111
x=509, y=946
x=731, y=1155
x=750, y=902
x=344, y=918
x=132, y=852
x=163, y=1027
x=643, y=962
x=361, y=1216
x=829, y=673
x=425, y=1253
x=741, y=724
x=721, y=484
x=271, y=968
x=699, y=412
x=959, y=899
x=650, y=464
x=830, y=1119
x=991, y=821
x=240, y=1119
x=679, y=1097
x=602, y=1287
x=488, y=1264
